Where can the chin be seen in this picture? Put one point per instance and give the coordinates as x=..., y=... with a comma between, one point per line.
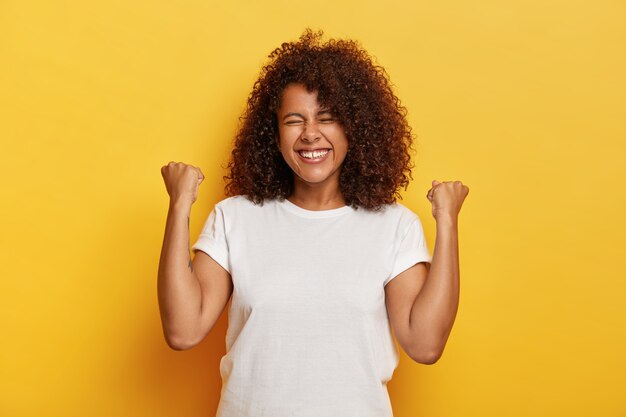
x=313, y=180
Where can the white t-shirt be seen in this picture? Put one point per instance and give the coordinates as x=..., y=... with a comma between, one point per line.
x=308, y=332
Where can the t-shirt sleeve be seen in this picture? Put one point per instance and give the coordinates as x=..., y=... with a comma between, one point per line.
x=212, y=240
x=411, y=250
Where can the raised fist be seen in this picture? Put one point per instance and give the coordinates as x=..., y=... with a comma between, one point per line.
x=182, y=181
x=447, y=197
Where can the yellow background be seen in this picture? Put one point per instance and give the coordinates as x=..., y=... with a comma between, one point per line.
x=523, y=101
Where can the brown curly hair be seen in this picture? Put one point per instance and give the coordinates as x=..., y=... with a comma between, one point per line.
x=357, y=92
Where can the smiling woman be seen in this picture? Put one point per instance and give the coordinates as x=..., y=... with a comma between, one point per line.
x=313, y=88
x=321, y=261
x=313, y=144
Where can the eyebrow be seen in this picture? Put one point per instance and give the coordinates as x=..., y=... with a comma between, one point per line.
x=301, y=116
x=292, y=114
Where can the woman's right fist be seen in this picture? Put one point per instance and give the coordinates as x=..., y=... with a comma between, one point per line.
x=182, y=181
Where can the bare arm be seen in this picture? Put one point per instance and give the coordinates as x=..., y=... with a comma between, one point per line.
x=422, y=302
x=191, y=294
x=436, y=305
x=178, y=287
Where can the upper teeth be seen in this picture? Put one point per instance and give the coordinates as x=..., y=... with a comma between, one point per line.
x=314, y=154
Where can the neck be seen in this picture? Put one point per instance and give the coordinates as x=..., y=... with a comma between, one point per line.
x=316, y=196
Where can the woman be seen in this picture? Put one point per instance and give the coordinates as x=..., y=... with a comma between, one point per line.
x=321, y=260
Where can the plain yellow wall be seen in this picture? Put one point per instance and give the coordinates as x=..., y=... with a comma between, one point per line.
x=523, y=101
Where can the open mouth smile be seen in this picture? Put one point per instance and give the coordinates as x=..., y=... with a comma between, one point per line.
x=315, y=156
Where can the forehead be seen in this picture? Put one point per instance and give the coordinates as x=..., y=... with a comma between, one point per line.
x=297, y=96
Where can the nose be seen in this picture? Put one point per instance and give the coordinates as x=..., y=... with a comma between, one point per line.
x=311, y=133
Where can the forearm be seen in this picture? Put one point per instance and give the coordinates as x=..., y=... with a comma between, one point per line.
x=179, y=290
x=435, y=307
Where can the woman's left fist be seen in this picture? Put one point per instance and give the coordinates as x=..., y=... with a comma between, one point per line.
x=447, y=198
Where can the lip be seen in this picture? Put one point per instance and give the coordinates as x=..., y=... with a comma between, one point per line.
x=312, y=149
x=313, y=161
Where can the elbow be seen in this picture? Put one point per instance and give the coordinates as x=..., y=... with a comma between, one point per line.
x=430, y=359
x=426, y=357
x=179, y=346
x=179, y=343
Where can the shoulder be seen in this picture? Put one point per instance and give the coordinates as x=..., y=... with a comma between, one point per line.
x=238, y=203
x=229, y=202
x=395, y=218
x=397, y=213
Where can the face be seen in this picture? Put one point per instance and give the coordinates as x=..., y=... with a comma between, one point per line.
x=311, y=140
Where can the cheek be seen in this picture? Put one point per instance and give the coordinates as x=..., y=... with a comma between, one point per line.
x=336, y=135
x=287, y=137
x=281, y=141
x=341, y=142
x=345, y=149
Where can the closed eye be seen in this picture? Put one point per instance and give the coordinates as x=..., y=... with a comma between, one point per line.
x=325, y=116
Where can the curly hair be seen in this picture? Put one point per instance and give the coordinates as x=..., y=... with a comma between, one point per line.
x=357, y=92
